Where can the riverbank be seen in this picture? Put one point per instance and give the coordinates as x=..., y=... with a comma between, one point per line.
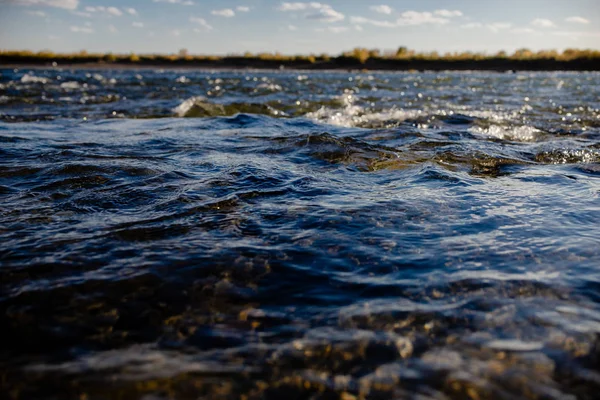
x=337, y=63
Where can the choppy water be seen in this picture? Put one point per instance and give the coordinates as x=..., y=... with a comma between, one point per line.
x=303, y=235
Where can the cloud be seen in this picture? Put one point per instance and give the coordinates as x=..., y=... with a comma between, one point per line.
x=448, y=13
x=420, y=18
x=494, y=27
x=242, y=9
x=472, y=25
x=382, y=9
x=498, y=26
x=82, y=14
x=112, y=29
x=366, y=21
x=182, y=2
x=407, y=18
x=203, y=25
x=578, y=20
x=82, y=29
x=316, y=11
x=66, y=4
x=114, y=11
x=138, y=24
x=226, y=12
x=294, y=6
x=326, y=14
x=292, y=28
x=542, y=23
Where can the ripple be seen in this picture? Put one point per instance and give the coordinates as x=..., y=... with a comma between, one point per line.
x=315, y=235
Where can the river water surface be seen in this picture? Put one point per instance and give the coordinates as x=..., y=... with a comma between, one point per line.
x=299, y=235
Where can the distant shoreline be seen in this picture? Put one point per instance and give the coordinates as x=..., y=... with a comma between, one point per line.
x=334, y=64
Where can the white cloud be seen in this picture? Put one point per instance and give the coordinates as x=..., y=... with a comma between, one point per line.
x=542, y=23
x=114, y=11
x=420, y=18
x=498, y=26
x=523, y=30
x=494, y=27
x=326, y=14
x=382, y=9
x=578, y=20
x=82, y=29
x=358, y=28
x=226, y=12
x=292, y=27
x=366, y=21
x=242, y=9
x=407, y=18
x=82, y=14
x=112, y=29
x=294, y=6
x=182, y=2
x=175, y=32
x=204, y=26
x=317, y=11
x=131, y=11
x=472, y=25
x=66, y=4
x=37, y=13
x=137, y=24
x=448, y=13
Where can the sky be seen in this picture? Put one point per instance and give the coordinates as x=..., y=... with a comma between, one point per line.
x=236, y=26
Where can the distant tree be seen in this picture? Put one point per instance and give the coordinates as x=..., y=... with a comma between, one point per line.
x=401, y=52
x=374, y=53
x=523, y=54
x=361, y=54
x=110, y=58
x=183, y=53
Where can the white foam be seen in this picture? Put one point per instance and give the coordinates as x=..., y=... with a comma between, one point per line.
x=182, y=109
x=352, y=115
x=519, y=133
x=33, y=79
x=70, y=85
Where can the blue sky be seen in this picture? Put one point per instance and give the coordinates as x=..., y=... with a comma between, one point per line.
x=236, y=26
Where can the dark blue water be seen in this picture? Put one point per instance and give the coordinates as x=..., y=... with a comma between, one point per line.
x=301, y=235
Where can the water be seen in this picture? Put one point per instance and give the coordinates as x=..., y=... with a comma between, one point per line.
x=301, y=235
